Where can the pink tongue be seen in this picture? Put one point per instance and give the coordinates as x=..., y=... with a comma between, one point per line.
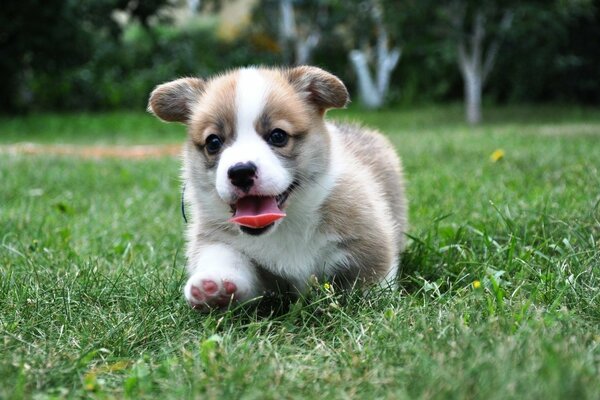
x=256, y=211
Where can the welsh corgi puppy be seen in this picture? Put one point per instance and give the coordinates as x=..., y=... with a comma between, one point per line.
x=276, y=194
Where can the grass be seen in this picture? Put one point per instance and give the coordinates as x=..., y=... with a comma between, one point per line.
x=500, y=286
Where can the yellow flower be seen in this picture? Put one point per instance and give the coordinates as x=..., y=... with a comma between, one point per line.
x=497, y=155
x=90, y=383
x=326, y=286
x=114, y=367
x=476, y=284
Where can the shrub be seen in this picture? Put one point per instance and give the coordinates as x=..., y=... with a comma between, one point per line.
x=121, y=73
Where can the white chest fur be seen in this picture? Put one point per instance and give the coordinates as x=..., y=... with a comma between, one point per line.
x=295, y=251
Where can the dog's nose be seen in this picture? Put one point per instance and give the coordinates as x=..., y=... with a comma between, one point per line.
x=242, y=175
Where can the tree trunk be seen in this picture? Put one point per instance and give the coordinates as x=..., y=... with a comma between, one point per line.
x=305, y=47
x=373, y=90
x=473, y=90
x=471, y=69
x=193, y=6
x=296, y=49
x=475, y=66
x=287, y=30
x=370, y=96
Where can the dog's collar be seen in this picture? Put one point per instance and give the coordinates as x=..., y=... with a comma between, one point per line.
x=183, y=204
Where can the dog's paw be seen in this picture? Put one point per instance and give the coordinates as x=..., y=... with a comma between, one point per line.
x=204, y=292
x=219, y=277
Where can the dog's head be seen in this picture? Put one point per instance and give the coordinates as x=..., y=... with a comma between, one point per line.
x=257, y=136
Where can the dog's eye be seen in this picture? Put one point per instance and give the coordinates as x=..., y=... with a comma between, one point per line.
x=213, y=144
x=278, y=137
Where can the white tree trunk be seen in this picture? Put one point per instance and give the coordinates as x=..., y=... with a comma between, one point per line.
x=193, y=6
x=370, y=96
x=373, y=90
x=287, y=29
x=473, y=91
x=290, y=37
x=474, y=67
x=305, y=48
x=287, y=24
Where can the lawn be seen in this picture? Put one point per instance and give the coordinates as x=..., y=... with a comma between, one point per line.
x=500, y=285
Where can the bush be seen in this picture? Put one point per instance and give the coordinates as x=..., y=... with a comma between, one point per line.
x=121, y=73
x=72, y=55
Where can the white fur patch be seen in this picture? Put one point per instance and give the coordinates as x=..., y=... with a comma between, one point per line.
x=272, y=178
x=250, y=98
x=219, y=263
x=390, y=279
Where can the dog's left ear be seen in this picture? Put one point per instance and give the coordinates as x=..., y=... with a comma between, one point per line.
x=323, y=89
x=173, y=101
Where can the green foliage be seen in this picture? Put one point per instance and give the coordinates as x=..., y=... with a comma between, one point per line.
x=499, y=291
x=566, y=48
x=36, y=37
x=122, y=73
x=41, y=45
x=73, y=55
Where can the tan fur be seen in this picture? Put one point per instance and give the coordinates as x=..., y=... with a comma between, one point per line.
x=319, y=87
x=284, y=104
x=367, y=209
x=173, y=101
x=285, y=110
x=375, y=152
x=214, y=112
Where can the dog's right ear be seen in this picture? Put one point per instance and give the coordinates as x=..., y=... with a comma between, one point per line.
x=323, y=89
x=173, y=101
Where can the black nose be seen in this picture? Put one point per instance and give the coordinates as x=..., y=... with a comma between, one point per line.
x=242, y=175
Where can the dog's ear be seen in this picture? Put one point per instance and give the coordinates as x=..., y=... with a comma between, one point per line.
x=172, y=101
x=320, y=87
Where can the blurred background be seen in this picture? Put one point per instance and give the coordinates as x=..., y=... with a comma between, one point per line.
x=91, y=55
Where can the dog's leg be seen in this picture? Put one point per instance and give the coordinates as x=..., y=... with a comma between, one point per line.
x=219, y=276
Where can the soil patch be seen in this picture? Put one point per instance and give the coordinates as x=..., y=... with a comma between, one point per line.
x=97, y=152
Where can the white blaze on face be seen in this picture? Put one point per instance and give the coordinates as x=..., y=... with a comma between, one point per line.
x=272, y=178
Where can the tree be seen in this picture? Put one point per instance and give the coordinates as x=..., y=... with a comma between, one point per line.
x=301, y=26
x=296, y=25
x=35, y=37
x=301, y=36
x=373, y=89
x=477, y=29
x=558, y=49
x=55, y=37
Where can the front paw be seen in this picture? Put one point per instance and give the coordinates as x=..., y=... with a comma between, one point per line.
x=207, y=291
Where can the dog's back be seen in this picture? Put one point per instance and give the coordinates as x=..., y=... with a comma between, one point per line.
x=367, y=207
x=376, y=152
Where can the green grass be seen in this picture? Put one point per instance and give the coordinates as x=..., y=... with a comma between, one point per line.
x=142, y=128
x=91, y=273
x=109, y=128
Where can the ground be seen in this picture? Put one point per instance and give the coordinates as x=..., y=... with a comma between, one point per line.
x=500, y=288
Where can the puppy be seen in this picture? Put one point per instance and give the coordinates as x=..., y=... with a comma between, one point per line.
x=277, y=195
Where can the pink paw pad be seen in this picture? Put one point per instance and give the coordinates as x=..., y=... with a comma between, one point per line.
x=197, y=293
x=209, y=286
x=208, y=294
x=230, y=287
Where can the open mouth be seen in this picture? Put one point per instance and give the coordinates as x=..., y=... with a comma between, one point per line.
x=256, y=214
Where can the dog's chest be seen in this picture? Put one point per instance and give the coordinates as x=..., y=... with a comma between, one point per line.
x=295, y=252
